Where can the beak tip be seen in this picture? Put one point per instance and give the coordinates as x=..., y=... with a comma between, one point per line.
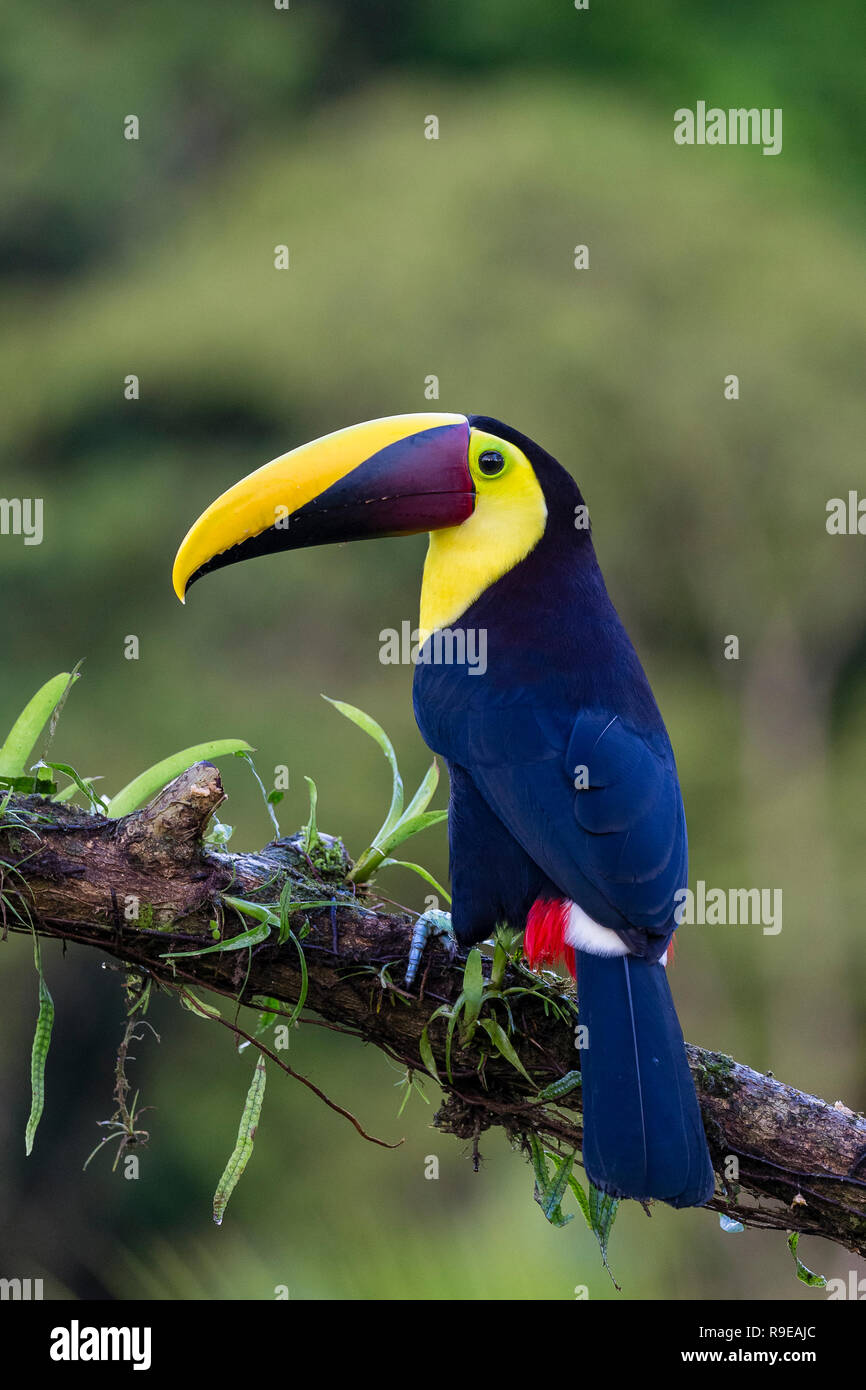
x=179, y=584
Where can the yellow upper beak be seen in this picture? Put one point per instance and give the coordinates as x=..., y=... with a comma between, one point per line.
x=271, y=495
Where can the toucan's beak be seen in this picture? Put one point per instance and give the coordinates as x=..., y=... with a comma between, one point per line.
x=391, y=477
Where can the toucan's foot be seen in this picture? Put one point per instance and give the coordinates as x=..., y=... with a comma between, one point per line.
x=431, y=926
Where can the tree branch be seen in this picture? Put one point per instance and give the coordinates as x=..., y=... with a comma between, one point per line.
x=140, y=886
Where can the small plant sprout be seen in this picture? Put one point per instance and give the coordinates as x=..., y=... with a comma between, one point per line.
x=399, y=824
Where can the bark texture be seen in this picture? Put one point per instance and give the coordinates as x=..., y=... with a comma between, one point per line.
x=800, y=1161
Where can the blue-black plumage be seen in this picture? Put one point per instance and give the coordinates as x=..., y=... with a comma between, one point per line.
x=564, y=786
x=642, y=1130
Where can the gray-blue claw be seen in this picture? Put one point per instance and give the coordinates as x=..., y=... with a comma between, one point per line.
x=433, y=925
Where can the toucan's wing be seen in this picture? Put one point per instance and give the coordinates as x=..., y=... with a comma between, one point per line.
x=598, y=809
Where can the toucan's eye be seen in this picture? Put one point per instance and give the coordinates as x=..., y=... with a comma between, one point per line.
x=490, y=463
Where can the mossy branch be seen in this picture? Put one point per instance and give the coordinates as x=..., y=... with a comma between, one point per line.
x=145, y=884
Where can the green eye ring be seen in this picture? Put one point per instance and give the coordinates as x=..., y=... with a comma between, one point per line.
x=491, y=463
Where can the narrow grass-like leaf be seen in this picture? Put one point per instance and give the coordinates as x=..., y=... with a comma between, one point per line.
x=398, y=824
x=66, y=793
x=58, y=708
x=268, y=797
x=405, y=828
x=420, y=871
x=500, y=964
x=426, y=1053
x=267, y=920
x=198, y=1006
x=453, y=1017
x=602, y=1211
x=582, y=1199
x=41, y=1043
x=254, y=937
x=497, y=1035
x=377, y=733
x=285, y=930
x=815, y=1281
x=602, y=1214
x=259, y=911
x=473, y=992
x=22, y=737
x=305, y=983
x=95, y=802
x=424, y=795
x=551, y=1204
x=406, y=1094
x=146, y=785
x=311, y=903
x=262, y=913
x=245, y=1140
x=539, y=1163
x=549, y=1191
x=286, y=934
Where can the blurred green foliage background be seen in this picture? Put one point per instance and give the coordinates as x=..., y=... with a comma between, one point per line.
x=412, y=257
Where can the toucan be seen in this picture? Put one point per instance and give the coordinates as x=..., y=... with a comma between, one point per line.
x=566, y=816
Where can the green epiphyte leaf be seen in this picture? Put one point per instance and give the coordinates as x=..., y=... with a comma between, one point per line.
x=409, y=826
x=269, y=798
x=602, y=1214
x=426, y=1054
x=39, y=1053
x=498, y=1036
x=473, y=993
x=420, y=871
x=77, y=784
x=22, y=737
x=146, y=785
x=198, y=1006
x=254, y=937
x=424, y=795
x=244, y=1146
x=377, y=733
x=561, y=1087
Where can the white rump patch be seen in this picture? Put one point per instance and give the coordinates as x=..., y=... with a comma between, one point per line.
x=584, y=934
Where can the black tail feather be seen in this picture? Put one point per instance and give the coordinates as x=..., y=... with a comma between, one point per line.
x=643, y=1135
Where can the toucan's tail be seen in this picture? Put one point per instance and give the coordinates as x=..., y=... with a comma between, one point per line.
x=643, y=1135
